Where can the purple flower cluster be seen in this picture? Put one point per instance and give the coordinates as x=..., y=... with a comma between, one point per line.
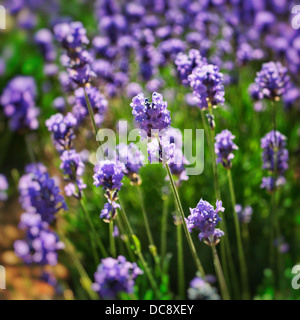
x=98, y=103
x=109, y=175
x=187, y=63
x=275, y=157
x=132, y=158
x=224, y=147
x=18, y=100
x=272, y=81
x=244, y=214
x=151, y=115
x=200, y=289
x=207, y=84
x=40, y=194
x=40, y=198
x=73, y=168
x=72, y=37
x=62, y=129
x=114, y=276
x=44, y=40
x=205, y=219
x=3, y=187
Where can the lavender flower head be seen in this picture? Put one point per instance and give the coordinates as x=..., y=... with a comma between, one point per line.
x=114, y=276
x=73, y=168
x=151, y=115
x=244, y=214
x=40, y=247
x=275, y=143
x=40, y=194
x=109, y=175
x=207, y=84
x=18, y=100
x=201, y=290
x=187, y=63
x=62, y=128
x=224, y=147
x=44, y=40
x=205, y=218
x=109, y=211
x=98, y=103
x=3, y=187
x=273, y=80
x=72, y=37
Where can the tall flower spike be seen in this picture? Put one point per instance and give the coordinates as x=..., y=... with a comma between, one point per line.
x=207, y=84
x=273, y=80
x=73, y=168
x=62, y=129
x=205, y=218
x=187, y=63
x=18, y=100
x=224, y=147
x=114, y=276
x=151, y=115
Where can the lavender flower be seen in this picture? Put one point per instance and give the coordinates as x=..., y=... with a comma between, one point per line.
x=39, y=247
x=207, y=84
x=132, y=158
x=274, y=144
x=205, y=219
x=3, y=187
x=73, y=168
x=62, y=128
x=273, y=80
x=224, y=147
x=114, y=276
x=244, y=214
x=40, y=194
x=268, y=183
x=109, y=175
x=187, y=63
x=72, y=37
x=98, y=103
x=151, y=115
x=44, y=40
x=200, y=289
x=18, y=100
x=110, y=211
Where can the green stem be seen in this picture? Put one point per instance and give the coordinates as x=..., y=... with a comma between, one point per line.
x=241, y=255
x=180, y=261
x=139, y=253
x=220, y=274
x=84, y=278
x=126, y=239
x=188, y=236
x=147, y=225
x=30, y=149
x=112, y=239
x=164, y=227
x=95, y=235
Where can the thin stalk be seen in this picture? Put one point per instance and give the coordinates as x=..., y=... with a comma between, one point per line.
x=241, y=255
x=93, y=244
x=188, y=236
x=84, y=278
x=139, y=253
x=147, y=225
x=220, y=274
x=112, y=239
x=94, y=232
x=164, y=228
x=180, y=262
x=126, y=239
x=91, y=113
x=30, y=149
